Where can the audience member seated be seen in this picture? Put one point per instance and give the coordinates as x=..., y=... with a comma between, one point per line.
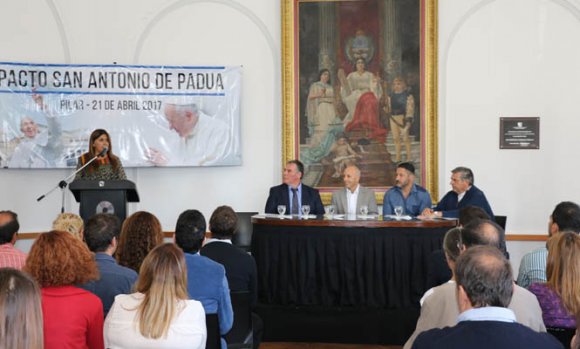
x=410, y=196
x=559, y=297
x=10, y=257
x=20, y=311
x=160, y=314
x=484, y=290
x=206, y=279
x=69, y=222
x=241, y=270
x=464, y=193
x=293, y=193
x=140, y=233
x=73, y=317
x=440, y=310
x=350, y=199
x=101, y=234
x=438, y=271
x=564, y=218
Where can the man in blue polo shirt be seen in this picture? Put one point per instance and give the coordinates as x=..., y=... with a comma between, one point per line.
x=101, y=233
x=411, y=197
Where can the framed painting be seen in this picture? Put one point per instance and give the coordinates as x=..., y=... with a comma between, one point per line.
x=359, y=88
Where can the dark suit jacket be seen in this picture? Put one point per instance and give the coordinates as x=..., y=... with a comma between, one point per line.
x=473, y=197
x=241, y=270
x=486, y=335
x=279, y=196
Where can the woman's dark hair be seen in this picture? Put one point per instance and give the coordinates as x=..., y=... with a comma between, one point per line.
x=322, y=71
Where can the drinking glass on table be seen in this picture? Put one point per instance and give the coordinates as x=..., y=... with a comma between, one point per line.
x=281, y=209
x=305, y=210
x=364, y=210
x=398, y=211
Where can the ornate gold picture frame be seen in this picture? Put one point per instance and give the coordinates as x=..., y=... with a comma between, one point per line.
x=355, y=75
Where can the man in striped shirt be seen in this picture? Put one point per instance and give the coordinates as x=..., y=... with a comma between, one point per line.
x=10, y=257
x=565, y=218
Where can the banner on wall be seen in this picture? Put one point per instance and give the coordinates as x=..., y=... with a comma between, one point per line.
x=155, y=115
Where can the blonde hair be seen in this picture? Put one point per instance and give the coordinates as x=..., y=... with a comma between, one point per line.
x=70, y=223
x=563, y=269
x=20, y=311
x=163, y=281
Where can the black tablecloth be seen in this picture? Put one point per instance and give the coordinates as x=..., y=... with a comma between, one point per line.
x=343, y=266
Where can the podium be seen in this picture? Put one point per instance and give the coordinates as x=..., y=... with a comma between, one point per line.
x=104, y=197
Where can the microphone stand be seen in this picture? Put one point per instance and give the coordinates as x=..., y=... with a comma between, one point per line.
x=63, y=183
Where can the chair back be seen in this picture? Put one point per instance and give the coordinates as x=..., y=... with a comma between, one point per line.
x=241, y=331
x=213, y=332
x=243, y=236
x=501, y=221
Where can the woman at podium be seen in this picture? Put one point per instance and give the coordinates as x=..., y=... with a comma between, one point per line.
x=106, y=166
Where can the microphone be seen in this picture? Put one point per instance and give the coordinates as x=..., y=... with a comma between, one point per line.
x=103, y=152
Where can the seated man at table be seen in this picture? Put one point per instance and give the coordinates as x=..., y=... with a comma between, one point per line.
x=293, y=193
x=464, y=193
x=411, y=197
x=354, y=196
x=483, y=291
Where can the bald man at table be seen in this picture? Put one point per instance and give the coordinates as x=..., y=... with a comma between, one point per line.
x=350, y=199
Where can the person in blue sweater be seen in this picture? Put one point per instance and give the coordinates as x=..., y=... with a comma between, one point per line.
x=464, y=193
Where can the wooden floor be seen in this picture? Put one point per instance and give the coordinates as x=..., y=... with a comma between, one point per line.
x=277, y=345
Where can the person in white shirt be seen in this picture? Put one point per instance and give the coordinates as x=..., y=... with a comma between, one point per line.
x=159, y=315
x=354, y=196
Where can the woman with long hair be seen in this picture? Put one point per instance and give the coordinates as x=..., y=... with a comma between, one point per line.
x=160, y=313
x=107, y=166
x=20, y=311
x=559, y=297
x=73, y=317
x=140, y=233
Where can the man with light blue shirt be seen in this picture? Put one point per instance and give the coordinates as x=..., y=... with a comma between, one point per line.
x=410, y=196
x=206, y=279
x=484, y=290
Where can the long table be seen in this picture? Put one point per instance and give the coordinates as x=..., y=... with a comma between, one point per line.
x=320, y=266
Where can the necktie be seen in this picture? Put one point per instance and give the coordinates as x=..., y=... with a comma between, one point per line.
x=294, y=201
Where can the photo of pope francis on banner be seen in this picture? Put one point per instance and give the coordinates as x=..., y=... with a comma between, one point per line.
x=156, y=115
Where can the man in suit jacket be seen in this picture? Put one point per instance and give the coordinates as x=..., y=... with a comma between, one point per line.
x=350, y=199
x=463, y=194
x=293, y=187
x=241, y=270
x=484, y=290
x=206, y=279
x=410, y=196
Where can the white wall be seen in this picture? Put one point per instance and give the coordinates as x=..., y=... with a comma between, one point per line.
x=511, y=58
x=158, y=32
x=496, y=58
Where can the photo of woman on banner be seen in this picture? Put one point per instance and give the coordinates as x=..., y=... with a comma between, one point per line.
x=203, y=140
x=107, y=166
x=37, y=149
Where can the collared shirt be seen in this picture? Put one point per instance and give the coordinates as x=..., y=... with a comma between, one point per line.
x=210, y=240
x=487, y=314
x=10, y=257
x=533, y=268
x=291, y=195
x=351, y=199
x=413, y=205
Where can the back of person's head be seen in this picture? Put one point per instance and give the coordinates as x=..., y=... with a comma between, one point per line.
x=20, y=311
x=100, y=231
x=451, y=243
x=563, y=269
x=163, y=281
x=470, y=213
x=140, y=233
x=190, y=231
x=8, y=229
x=567, y=216
x=69, y=222
x=486, y=277
x=59, y=259
x=483, y=232
x=223, y=223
